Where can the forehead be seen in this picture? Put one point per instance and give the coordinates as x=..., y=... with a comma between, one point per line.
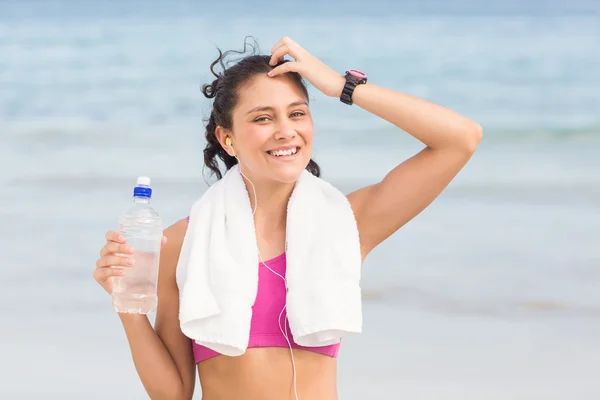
x=263, y=90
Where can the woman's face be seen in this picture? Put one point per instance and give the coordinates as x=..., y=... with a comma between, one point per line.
x=272, y=133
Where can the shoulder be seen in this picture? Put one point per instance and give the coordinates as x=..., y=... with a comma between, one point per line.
x=176, y=232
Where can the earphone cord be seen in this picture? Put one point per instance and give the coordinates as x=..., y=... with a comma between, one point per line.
x=283, y=331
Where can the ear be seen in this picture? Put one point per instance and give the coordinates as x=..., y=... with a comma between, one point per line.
x=222, y=134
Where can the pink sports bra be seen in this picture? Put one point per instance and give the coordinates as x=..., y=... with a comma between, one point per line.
x=265, y=326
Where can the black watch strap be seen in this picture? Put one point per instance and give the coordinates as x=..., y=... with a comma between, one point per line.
x=351, y=82
x=346, y=96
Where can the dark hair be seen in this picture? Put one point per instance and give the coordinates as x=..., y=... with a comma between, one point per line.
x=224, y=90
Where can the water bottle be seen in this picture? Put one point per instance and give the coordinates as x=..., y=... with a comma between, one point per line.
x=135, y=291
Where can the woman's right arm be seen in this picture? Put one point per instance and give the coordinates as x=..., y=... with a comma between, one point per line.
x=162, y=355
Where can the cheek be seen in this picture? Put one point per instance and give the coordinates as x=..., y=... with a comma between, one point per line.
x=306, y=130
x=255, y=137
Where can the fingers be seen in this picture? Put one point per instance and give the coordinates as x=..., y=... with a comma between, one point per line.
x=114, y=258
x=278, y=54
x=114, y=261
x=283, y=68
x=282, y=41
x=101, y=275
x=114, y=236
x=111, y=265
x=116, y=243
x=283, y=47
x=114, y=247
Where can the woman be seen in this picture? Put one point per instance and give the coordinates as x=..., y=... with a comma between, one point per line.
x=261, y=118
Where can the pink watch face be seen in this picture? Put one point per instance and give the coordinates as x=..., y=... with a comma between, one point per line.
x=357, y=73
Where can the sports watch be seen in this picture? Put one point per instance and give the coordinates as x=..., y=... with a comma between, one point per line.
x=353, y=78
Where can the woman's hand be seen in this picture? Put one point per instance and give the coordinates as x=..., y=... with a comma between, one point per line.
x=311, y=68
x=115, y=256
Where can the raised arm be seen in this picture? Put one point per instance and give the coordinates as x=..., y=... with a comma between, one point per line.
x=450, y=140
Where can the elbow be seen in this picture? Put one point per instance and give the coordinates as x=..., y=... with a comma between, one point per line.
x=472, y=137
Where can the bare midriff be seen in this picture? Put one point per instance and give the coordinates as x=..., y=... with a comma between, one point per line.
x=267, y=374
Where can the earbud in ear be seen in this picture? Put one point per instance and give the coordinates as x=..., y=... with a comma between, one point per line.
x=228, y=144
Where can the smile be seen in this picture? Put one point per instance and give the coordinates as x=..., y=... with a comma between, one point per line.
x=284, y=153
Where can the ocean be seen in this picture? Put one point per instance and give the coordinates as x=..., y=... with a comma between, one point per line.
x=491, y=292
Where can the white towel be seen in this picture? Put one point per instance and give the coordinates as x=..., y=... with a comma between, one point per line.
x=217, y=272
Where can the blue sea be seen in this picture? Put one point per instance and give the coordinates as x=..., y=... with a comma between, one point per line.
x=491, y=293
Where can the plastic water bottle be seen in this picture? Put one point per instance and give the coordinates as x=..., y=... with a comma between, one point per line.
x=136, y=291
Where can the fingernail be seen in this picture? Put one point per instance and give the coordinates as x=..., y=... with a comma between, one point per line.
x=130, y=250
x=121, y=238
x=130, y=261
x=270, y=73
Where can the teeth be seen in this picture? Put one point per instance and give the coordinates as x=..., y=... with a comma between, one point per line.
x=283, y=152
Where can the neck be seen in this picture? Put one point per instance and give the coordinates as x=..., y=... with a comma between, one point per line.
x=272, y=199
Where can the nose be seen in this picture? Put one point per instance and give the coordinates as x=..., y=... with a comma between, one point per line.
x=285, y=130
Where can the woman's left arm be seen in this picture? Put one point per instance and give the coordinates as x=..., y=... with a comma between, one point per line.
x=450, y=140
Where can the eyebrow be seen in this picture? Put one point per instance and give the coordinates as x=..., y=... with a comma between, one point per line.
x=269, y=108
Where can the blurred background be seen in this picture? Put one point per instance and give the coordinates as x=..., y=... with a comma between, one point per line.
x=491, y=293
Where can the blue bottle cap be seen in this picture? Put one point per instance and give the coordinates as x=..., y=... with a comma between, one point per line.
x=142, y=188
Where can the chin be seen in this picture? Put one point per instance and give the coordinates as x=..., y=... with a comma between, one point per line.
x=287, y=174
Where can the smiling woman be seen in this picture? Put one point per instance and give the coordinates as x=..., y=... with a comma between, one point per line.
x=294, y=122
x=262, y=130
x=237, y=93
x=296, y=110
